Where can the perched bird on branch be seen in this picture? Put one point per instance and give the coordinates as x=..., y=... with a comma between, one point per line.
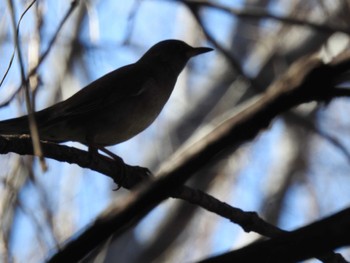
x=115, y=107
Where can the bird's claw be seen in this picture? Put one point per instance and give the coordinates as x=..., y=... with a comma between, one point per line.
x=141, y=174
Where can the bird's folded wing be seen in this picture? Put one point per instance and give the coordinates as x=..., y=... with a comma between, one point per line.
x=113, y=87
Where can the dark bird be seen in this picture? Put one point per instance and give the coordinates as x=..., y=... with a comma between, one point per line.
x=115, y=107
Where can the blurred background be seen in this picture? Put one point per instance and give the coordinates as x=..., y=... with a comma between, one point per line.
x=293, y=173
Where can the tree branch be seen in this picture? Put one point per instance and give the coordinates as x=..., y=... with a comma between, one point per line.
x=301, y=244
x=307, y=80
x=126, y=175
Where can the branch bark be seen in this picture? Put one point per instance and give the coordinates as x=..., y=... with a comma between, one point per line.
x=301, y=244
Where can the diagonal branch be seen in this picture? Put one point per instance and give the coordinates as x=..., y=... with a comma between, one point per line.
x=307, y=80
x=249, y=221
x=301, y=244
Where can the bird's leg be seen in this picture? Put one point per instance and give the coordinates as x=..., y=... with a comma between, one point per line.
x=93, y=152
x=111, y=154
x=122, y=165
x=92, y=148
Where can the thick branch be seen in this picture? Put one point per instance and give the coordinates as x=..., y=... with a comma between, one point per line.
x=126, y=175
x=308, y=80
x=315, y=239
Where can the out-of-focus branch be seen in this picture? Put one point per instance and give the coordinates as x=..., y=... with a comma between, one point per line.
x=43, y=56
x=250, y=13
x=323, y=134
x=16, y=32
x=304, y=243
x=234, y=63
x=25, y=84
x=25, y=80
x=131, y=21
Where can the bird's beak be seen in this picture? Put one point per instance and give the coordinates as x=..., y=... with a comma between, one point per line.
x=198, y=50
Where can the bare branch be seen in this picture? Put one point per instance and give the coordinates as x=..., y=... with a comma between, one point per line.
x=16, y=36
x=43, y=56
x=303, y=243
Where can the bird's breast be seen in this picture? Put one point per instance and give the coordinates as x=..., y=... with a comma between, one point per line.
x=135, y=113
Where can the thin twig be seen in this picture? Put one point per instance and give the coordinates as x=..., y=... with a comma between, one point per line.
x=227, y=54
x=131, y=21
x=33, y=128
x=46, y=52
x=25, y=82
x=43, y=56
x=17, y=34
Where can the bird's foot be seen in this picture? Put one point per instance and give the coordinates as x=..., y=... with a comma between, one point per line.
x=138, y=174
x=122, y=166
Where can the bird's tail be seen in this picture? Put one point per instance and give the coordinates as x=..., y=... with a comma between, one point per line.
x=16, y=126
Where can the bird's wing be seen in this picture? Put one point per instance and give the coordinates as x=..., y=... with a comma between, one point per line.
x=116, y=86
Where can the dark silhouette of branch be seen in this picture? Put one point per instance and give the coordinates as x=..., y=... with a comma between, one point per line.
x=120, y=172
x=130, y=176
x=303, y=243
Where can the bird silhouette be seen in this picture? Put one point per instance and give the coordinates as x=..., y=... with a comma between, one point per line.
x=115, y=107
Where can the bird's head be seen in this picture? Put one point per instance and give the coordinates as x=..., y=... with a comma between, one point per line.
x=172, y=54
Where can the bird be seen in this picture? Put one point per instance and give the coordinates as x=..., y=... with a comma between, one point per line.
x=115, y=107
